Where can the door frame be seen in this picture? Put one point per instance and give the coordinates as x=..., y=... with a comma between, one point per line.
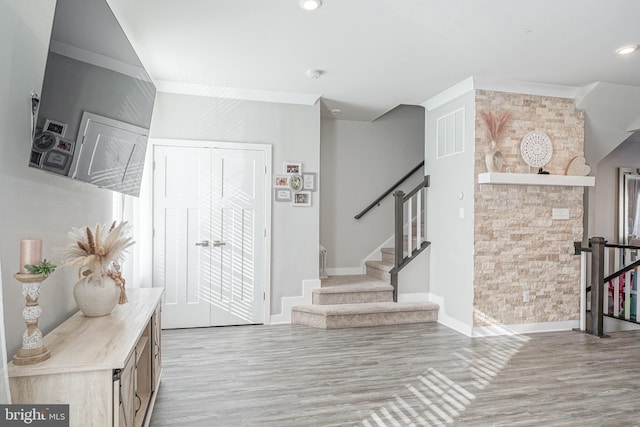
x=267, y=150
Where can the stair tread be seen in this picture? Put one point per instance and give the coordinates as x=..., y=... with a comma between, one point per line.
x=381, y=265
x=366, y=308
x=377, y=286
x=355, y=279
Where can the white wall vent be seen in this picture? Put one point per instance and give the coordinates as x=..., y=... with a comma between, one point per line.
x=450, y=133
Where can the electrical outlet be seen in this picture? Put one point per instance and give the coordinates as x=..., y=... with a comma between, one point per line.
x=557, y=213
x=525, y=296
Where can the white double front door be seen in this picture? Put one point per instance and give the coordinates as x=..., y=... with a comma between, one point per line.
x=209, y=235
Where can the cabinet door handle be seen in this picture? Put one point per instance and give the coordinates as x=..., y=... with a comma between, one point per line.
x=204, y=243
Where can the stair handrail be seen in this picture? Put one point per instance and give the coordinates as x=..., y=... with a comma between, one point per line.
x=386, y=193
x=400, y=261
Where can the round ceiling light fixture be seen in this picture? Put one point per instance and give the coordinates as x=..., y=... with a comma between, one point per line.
x=626, y=50
x=310, y=4
x=314, y=74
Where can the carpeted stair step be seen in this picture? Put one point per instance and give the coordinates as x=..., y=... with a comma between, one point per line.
x=360, y=315
x=365, y=291
x=388, y=255
x=352, y=279
x=379, y=270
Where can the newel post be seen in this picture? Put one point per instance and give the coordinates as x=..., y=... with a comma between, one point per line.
x=398, y=228
x=398, y=238
x=597, y=245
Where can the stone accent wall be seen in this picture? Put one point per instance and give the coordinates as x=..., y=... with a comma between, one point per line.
x=518, y=246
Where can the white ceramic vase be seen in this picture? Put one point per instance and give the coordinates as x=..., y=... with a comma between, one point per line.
x=494, y=159
x=96, y=295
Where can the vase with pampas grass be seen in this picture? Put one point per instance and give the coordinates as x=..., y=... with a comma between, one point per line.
x=496, y=125
x=97, y=254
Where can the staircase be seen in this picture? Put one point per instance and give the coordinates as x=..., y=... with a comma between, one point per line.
x=370, y=299
x=361, y=300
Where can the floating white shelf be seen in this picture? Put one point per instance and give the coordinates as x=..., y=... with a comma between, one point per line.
x=536, y=179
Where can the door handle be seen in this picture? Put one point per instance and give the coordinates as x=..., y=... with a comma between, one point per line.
x=217, y=243
x=204, y=243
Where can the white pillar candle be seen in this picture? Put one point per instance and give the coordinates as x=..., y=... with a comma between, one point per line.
x=30, y=253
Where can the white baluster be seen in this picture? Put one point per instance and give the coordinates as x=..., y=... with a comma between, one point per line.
x=637, y=294
x=616, y=295
x=605, y=294
x=410, y=231
x=419, y=218
x=583, y=291
x=627, y=295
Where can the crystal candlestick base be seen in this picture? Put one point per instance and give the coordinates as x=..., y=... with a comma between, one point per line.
x=32, y=351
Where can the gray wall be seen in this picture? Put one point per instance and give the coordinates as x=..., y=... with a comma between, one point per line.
x=34, y=204
x=294, y=133
x=603, y=198
x=360, y=160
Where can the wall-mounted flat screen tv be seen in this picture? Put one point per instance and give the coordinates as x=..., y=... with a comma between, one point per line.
x=96, y=102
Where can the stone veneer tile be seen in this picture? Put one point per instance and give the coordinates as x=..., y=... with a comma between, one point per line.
x=518, y=246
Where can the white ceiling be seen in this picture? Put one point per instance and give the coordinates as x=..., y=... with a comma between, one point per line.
x=377, y=54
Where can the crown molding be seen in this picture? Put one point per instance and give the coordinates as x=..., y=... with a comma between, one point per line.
x=500, y=85
x=211, y=91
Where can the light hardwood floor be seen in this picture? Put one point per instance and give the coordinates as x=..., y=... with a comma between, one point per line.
x=419, y=375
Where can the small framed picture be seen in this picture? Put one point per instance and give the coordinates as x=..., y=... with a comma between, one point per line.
x=303, y=198
x=55, y=127
x=65, y=145
x=295, y=183
x=309, y=181
x=283, y=195
x=281, y=181
x=292, y=168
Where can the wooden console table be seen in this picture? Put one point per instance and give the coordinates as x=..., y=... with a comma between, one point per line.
x=106, y=368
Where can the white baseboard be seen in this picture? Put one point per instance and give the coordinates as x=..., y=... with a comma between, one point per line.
x=376, y=254
x=420, y=297
x=615, y=325
x=344, y=271
x=287, y=302
x=494, y=330
x=446, y=320
x=525, y=328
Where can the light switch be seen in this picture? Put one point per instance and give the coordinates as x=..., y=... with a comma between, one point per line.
x=560, y=213
x=461, y=213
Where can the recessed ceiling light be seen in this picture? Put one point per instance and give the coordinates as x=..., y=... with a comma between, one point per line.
x=626, y=50
x=336, y=111
x=310, y=4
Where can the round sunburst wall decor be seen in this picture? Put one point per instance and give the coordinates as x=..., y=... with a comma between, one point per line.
x=536, y=149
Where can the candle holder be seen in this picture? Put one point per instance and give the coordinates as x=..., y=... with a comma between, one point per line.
x=32, y=351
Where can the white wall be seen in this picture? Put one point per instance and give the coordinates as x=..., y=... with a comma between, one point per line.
x=34, y=203
x=294, y=133
x=451, y=272
x=360, y=160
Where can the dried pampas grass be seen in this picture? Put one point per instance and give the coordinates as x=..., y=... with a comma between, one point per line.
x=496, y=124
x=93, y=251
